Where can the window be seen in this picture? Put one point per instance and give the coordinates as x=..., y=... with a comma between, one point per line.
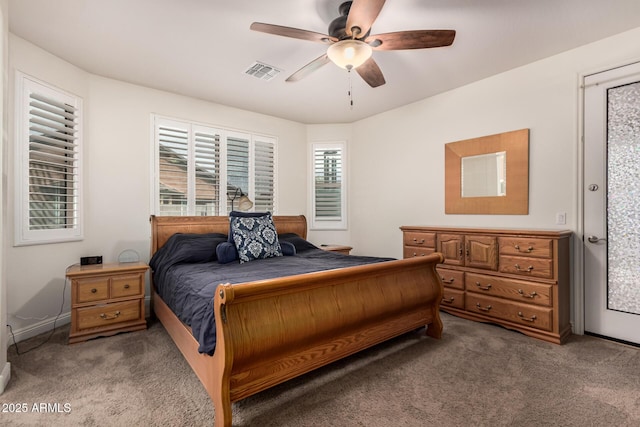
x=48, y=136
x=328, y=192
x=193, y=162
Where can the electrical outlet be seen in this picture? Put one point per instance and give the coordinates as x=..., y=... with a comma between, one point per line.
x=561, y=218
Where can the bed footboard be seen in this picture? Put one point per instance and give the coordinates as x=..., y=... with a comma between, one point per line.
x=273, y=330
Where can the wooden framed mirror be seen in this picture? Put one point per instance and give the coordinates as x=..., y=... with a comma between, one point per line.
x=488, y=175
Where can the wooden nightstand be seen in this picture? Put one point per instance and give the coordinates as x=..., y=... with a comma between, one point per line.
x=106, y=299
x=337, y=248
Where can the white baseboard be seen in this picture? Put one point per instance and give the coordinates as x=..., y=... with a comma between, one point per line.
x=5, y=376
x=37, y=328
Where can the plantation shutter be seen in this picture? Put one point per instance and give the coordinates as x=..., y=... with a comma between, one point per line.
x=328, y=186
x=264, y=175
x=53, y=156
x=237, y=169
x=207, y=172
x=173, y=155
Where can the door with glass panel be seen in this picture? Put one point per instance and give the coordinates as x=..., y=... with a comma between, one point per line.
x=612, y=203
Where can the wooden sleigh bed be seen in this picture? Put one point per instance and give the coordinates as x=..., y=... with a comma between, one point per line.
x=272, y=330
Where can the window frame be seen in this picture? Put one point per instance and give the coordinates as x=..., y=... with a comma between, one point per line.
x=338, y=223
x=23, y=234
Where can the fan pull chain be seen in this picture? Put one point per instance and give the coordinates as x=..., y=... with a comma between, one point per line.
x=350, y=91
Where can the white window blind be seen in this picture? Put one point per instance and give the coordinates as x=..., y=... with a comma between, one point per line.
x=48, y=150
x=237, y=169
x=329, y=207
x=264, y=172
x=194, y=161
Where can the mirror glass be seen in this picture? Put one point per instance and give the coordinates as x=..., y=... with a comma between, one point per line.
x=484, y=175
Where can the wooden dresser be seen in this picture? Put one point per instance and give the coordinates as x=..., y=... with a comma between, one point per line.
x=519, y=279
x=106, y=299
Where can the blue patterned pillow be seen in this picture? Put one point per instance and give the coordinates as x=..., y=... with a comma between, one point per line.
x=255, y=237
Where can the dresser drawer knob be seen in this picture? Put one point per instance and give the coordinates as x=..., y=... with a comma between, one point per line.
x=530, y=295
x=528, y=250
x=484, y=288
x=448, y=300
x=448, y=281
x=126, y=286
x=487, y=308
x=94, y=290
x=420, y=242
x=528, y=269
x=105, y=317
x=527, y=319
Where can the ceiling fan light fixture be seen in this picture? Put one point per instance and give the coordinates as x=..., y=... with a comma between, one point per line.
x=349, y=54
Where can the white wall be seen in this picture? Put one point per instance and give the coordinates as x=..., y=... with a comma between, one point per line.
x=117, y=178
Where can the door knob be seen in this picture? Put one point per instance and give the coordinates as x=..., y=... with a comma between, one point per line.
x=595, y=239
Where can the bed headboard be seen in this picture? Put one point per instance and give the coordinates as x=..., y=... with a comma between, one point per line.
x=163, y=227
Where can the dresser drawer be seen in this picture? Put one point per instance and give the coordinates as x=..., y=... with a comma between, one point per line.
x=451, y=278
x=517, y=290
x=522, y=314
x=413, y=251
x=415, y=238
x=124, y=286
x=452, y=298
x=526, y=266
x=521, y=246
x=92, y=289
x=108, y=314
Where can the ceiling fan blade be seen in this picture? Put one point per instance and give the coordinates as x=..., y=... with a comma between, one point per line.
x=295, y=33
x=418, y=39
x=362, y=14
x=309, y=68
x=370, y=73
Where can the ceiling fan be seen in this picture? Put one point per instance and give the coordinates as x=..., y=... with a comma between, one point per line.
x=350, y=42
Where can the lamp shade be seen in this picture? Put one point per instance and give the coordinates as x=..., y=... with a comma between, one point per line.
x=349, y=54
x=244, y=203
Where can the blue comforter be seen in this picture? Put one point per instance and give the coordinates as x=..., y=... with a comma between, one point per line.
x=186, y=274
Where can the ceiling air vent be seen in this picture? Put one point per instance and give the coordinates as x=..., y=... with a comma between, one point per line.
x=262, y=71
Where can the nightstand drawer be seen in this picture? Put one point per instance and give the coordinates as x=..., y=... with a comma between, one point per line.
x=108, y=314
x=94, y=289
x=123, y=286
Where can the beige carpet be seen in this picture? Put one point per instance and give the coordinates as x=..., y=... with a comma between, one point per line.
x=477, y=375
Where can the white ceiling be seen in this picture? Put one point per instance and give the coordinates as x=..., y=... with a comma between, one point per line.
x=201, y=48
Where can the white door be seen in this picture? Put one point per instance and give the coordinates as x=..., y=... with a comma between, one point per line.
x=612, y=203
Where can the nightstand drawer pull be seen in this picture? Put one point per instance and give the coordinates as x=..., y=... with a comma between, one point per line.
x=94, y=290
x=484, y=288
x=528, y=269
x=126, y=286
x=418, y=242
x=487, y=308
x=448, y=300
x=531, y=295
x=527, y=319
x=105, y=317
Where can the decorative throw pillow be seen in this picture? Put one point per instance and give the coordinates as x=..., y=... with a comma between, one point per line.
x=254, y=236
x=226, y=252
